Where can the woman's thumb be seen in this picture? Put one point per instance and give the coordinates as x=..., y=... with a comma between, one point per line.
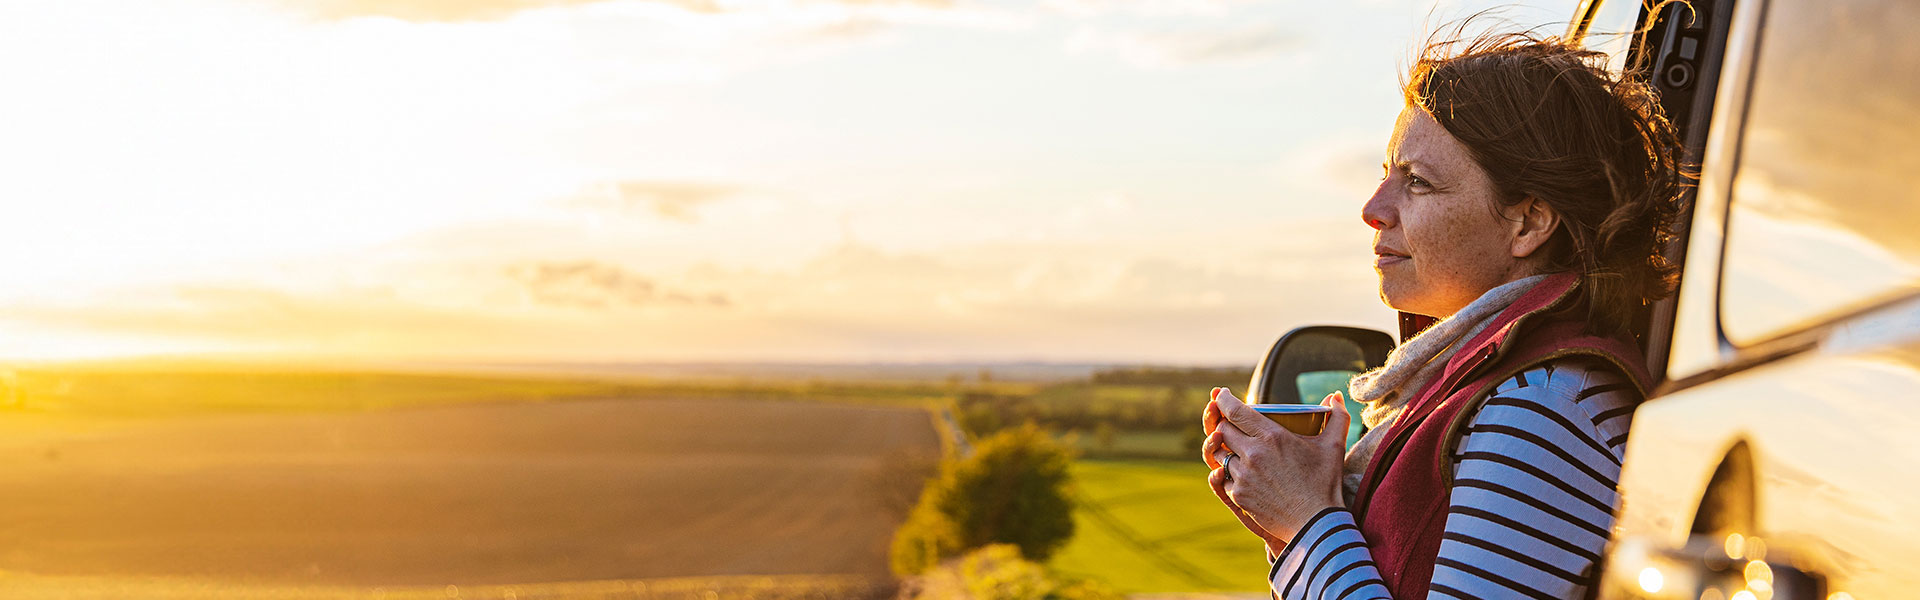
x=1339, y=420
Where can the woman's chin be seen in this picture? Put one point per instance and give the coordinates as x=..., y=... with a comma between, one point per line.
x=1397, y=296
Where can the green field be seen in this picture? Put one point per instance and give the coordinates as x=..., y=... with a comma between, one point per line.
x=123, y=391
x=1169, y=445
x=1146, y=526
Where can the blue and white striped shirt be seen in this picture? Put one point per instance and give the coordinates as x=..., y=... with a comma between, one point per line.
x=1531, y=505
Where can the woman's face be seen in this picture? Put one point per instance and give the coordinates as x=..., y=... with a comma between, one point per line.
x=1440, y=237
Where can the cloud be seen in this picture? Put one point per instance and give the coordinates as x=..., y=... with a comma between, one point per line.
x=1203, y=297
x=1223, y=297
x=457, y=11
x=1180, y=48
x=453, y=11
x=420, y=11
x=600, y=286
x=1142, y=8
x=672, y=200
x=254, y=317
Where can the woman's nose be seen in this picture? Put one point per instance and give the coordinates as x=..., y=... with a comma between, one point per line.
x=1378, y=211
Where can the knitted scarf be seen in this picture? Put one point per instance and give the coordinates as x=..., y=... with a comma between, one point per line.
x=1411, y=366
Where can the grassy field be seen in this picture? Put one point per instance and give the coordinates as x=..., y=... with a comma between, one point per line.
x=1146, y=526
x=124, y=391
x=1170, y=445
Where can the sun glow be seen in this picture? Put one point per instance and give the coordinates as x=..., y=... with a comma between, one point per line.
x=628, y=179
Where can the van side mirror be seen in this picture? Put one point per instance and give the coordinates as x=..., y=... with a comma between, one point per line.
x=1310, y=362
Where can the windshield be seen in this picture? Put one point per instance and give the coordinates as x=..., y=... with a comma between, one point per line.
x=1611, y=30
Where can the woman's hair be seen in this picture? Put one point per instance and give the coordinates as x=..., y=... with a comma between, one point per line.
x=1547, y=119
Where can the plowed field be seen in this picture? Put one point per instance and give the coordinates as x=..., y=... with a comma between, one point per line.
x=469, y=495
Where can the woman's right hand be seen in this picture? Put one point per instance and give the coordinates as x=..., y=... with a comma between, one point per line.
x=1214, y=457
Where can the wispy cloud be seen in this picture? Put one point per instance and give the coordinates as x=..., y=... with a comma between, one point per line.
x=671, y=200
x=251, y=316
x=445, y=10
x=466, y=11
x=600, y=286
x=1177, y=48
x=1222, y=297
x=421, y=11
x=1142, y=8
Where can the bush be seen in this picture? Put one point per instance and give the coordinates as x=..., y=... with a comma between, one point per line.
x=1011, y=491
x=926, y=538
x=997, y=572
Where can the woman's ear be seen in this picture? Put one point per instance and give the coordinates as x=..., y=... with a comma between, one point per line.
x=1533, y=223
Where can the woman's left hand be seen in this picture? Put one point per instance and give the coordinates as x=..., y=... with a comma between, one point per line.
x=1279, y=478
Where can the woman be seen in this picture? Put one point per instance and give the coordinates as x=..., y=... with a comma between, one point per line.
x=1527, y=195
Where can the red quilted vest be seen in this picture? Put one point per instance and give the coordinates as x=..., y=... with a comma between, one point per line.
x=1403, y=498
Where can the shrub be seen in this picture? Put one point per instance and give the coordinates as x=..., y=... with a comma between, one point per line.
x=926, y=538
x=997, y=572
x=1011, y=491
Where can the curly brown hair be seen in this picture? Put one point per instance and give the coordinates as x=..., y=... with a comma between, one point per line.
x=1546, y=119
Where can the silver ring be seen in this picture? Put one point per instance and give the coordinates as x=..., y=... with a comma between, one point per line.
x=1226, y=466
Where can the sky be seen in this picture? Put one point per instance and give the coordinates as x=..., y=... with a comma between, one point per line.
x=1164, y=181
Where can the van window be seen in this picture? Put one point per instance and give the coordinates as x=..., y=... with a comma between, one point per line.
x=1825, y=213
x=1611, y=31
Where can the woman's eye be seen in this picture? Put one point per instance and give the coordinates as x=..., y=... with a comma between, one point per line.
x=1416, y=181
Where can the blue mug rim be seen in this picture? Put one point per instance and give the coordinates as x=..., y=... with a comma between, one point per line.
x=1290, y=409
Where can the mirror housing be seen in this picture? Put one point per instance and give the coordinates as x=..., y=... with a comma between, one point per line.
x=1311, y=349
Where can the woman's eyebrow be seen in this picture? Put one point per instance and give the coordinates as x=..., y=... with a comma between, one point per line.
x=1407, y=165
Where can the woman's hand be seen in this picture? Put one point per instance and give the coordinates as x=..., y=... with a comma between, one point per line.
x=1278, y=478
x=1212, y=454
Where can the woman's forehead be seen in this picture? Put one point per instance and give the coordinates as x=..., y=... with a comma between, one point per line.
x=1418, y=139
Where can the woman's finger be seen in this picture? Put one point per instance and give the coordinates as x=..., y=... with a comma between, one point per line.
x=1210, y=416
x=1210, y=447
x=1217, y=480
x=1223, y=489
x=1243, y=417
x=1239, y=442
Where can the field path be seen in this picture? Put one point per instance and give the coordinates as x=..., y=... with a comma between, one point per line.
x=469, y=495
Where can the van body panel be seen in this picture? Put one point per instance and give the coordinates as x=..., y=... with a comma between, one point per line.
x=1826, y=408
x=1835, y=442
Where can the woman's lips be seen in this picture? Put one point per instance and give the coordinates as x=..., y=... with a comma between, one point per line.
x=1382, y=260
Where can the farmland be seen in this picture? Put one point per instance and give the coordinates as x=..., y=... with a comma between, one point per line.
x=215, y=482
x=442, y=492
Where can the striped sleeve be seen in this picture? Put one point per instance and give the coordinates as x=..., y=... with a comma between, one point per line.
x=1328, y=559
x=1531, y=505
